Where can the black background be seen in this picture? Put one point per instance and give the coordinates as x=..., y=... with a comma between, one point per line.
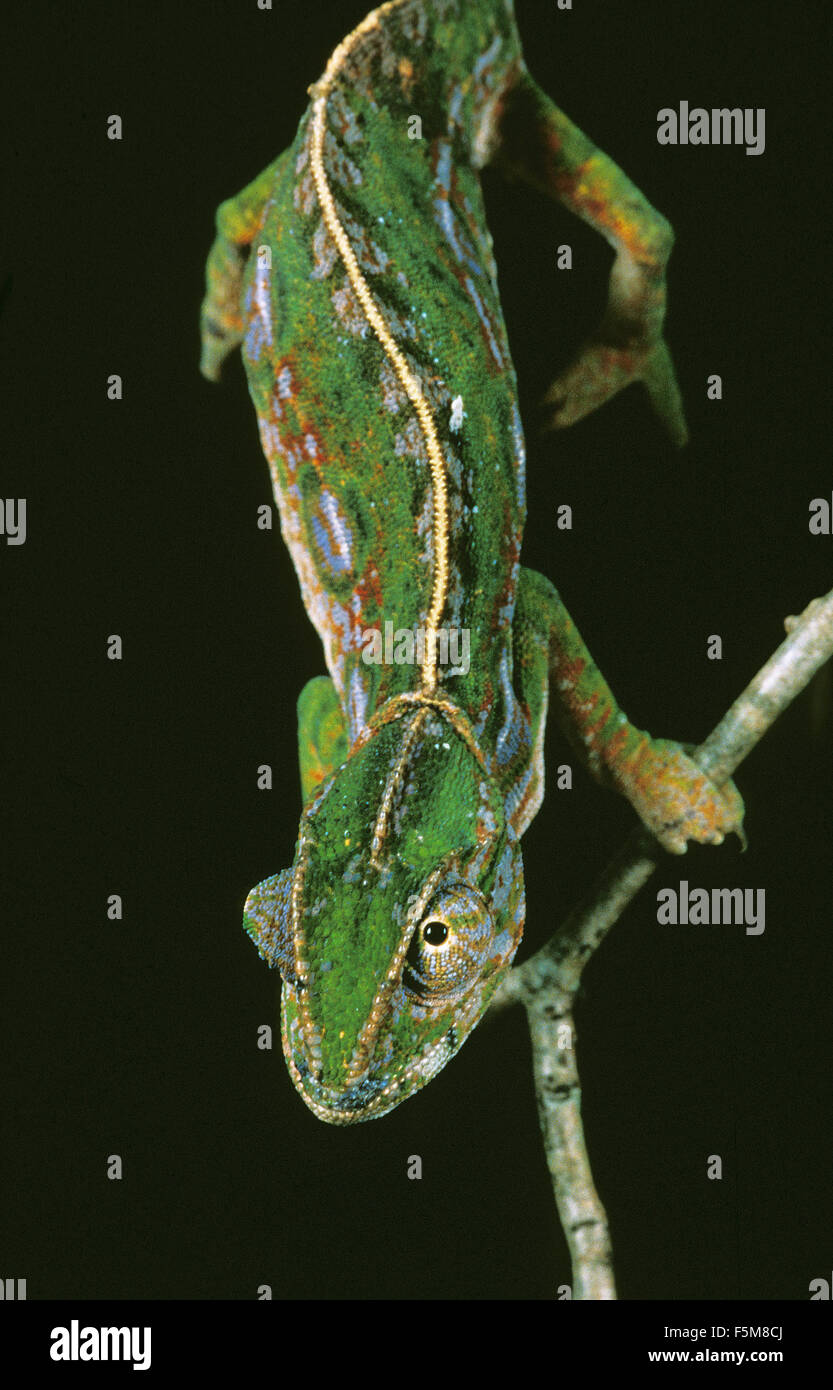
x=138, y=778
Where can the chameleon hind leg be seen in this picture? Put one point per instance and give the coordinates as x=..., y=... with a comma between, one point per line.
x=668, y=791
x=540, y=145
x=238, y=221
x=323, y=742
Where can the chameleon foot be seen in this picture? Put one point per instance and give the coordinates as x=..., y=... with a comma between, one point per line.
x=677, y=802
x=601, y=370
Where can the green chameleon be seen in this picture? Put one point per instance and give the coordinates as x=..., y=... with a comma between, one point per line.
x=357, y=273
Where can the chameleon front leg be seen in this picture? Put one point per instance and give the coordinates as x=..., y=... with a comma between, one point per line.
x=238, y=221
x=323, y=743
x=541, y=145
x=322, y=747
x=667, y=790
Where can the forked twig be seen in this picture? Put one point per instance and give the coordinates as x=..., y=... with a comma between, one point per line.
x=547, y=983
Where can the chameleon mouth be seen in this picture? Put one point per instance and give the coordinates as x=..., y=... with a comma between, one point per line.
x=368, y=1098
x=364, y=1101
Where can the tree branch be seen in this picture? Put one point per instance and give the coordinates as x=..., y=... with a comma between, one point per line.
x=547, y=983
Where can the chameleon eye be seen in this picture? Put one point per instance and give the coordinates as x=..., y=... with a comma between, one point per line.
x=435, y=933
x=450, y=945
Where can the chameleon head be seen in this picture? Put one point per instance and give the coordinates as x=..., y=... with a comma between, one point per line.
x=398, y=919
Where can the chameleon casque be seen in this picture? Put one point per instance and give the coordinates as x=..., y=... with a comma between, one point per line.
x=357, y=274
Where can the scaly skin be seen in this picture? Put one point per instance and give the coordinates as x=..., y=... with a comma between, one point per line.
x=357, y=273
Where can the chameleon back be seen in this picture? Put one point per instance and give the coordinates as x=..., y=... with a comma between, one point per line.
x=349, y=460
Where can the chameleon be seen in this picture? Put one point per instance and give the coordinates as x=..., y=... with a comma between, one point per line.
x=358, y=277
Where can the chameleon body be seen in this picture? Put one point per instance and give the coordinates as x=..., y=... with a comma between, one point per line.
x=357, y=274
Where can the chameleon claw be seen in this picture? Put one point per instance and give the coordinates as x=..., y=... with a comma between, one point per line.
x=677, y=802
